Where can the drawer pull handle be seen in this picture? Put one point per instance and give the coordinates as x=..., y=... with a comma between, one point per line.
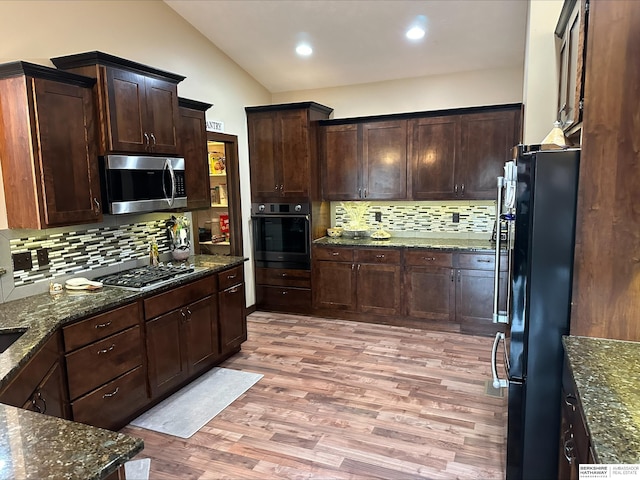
x=107, y=350
x=103, y=325
x=284, y=292
x=335, y=254
x=231, y=277
x=34, y=404
x=284, y=274
x=233, y=290
x=108, y=395
x=380, y=256
x=429, y=259
x=483, y=260
x=571, y=401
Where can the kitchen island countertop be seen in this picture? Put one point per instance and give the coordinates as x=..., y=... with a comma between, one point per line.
x=36, y=446
x=439, y=243
x=606, y=376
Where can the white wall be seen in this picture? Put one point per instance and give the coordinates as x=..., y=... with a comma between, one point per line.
x=148, y=32
x=540, y=90
x=463, y=89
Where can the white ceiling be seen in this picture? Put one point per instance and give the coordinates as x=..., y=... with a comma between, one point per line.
x=359, y=41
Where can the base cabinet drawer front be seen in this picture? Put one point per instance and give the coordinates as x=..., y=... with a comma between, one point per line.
x=382, y=255
x=285, y=297
x=230, y=277
x=335, y=254
x=430, y=293
x=428, y=258
x=111, y=405
x=233, y=321
x=480, y=261
x=95, y=364
x=101, y=326
x=283, y=277
x=180, y=296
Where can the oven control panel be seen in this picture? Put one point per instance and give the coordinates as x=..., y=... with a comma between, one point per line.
x=280, y=208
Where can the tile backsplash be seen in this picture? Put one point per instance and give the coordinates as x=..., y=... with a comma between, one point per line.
x=86, y=249
x=475, y=218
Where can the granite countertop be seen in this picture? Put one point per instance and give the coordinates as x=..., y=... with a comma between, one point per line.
x=83, y=451
x=36, y=446
x=606, y=375
x=453, y=243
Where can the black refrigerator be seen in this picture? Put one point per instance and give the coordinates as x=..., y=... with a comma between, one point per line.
x=537, y=205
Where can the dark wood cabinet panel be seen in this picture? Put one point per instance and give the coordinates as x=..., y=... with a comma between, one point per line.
x=283, y=290
x=487, y=140
x=384, y=160
x=40, y=385
x=430, y=293
x=162, y=115
x=166, y=351
x=201, y=334
x=48, y=149
x=474, y=301
x=434, y=151
x=192, y=145
x=283, y=151
x=127, y=111
x=334, y=285
x=378, y=288
x=233, y=321
x=340, y=165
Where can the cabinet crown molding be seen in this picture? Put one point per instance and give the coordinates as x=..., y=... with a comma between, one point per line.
x=20, y=68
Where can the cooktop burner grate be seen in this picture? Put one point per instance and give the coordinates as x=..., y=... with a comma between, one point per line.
x=141, y=277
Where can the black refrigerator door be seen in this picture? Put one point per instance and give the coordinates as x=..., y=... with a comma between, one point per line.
x=541, y=299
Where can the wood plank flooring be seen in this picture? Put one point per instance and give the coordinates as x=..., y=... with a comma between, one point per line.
x=347, y=400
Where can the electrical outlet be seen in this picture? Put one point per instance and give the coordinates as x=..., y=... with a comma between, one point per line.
x=456, y=217
x=22, y=261
x=43, y=257
x=378, y=216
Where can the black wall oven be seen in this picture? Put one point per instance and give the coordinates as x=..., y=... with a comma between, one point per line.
x=281, y=235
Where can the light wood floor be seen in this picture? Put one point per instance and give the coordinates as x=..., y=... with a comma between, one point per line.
x=342, y=400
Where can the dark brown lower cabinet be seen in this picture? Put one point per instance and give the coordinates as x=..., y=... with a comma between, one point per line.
x=41, y=385
x=575, y=444
x=429, y=285
x=334, y=285
x=233, y=319
x=283, y=290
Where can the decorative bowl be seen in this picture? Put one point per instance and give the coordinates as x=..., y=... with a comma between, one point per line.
x=334, y=232
x=355, y=233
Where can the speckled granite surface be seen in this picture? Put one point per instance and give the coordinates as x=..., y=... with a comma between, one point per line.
x=35, y=446
x=606, y=373
x=474, y=245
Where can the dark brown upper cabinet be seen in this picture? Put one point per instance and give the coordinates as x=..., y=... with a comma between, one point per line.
x=138, y=104
x=192, y=145
x=283, y=151
x=365, y=161
x=458, y=157
x=48, y=147
x=571, y=32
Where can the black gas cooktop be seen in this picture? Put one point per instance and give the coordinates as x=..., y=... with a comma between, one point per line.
x=147, y=276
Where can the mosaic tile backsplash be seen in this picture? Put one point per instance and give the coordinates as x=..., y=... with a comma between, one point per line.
x=415, y=218
x=72, y=252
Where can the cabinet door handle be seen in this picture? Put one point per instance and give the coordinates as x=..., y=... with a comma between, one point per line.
x=462, y=189
x=359, y=193
x=282, y=189
x=365, y=193
x=189, y=313
x=146, y=138
x=459, y=276
x=103, y=325
x=97, y=204
x=359, y=267
x=571, y=400
x=44, y=402
x=452, y=275
x=107, y=350
x=108, y=395
x=455, y=189
x=34, y=404
x=153, y=137
x=184, y=315
x=380, y=256
x=276, y=189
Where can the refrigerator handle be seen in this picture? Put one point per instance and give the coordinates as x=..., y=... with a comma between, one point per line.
x=497, y=381
x=498, y=316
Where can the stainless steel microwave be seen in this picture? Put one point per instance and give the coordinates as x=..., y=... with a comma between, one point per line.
x=136, y=184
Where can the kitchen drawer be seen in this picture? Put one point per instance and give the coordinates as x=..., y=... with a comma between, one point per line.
x=428, y=258
x=480, y=261
x=230, y=277
x=112, y=405
x=179, y=297
x=283, y=277
x=333, y=254
x=379, y=255
x=291, y=298
x=101, y=326
x=98, y=363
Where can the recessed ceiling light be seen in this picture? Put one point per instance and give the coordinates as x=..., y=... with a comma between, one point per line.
x=304, y=50
x=418, y=28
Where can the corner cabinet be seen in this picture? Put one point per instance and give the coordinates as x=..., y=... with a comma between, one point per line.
x=283, y=151
x=48, y=138
x=138, y=104
x=192, y=145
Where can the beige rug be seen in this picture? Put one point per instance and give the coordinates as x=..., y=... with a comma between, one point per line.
x=192, y=407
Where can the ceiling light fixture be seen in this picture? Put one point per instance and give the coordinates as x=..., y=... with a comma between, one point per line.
x=418, y=28
x=304, y=50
